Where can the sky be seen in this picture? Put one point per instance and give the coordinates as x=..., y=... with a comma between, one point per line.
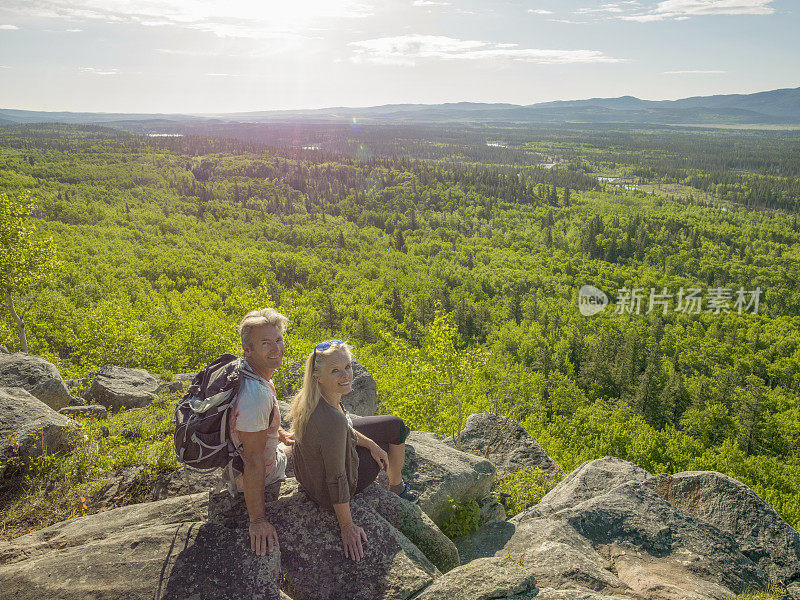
x=222, y=56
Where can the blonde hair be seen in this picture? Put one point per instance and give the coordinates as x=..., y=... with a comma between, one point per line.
x=256, y=318
x=307, y=399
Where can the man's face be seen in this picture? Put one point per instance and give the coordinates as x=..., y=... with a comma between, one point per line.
x=264, y=352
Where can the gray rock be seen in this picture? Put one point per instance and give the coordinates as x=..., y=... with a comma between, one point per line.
x=169, y=387
x=217, y=562
x=491, y=510
x=94, y=410
x=363, y=398
x=37, y=376
x=586, y=482
x=482, y=579
x=485, y=542
x=30, y=428
x=510, y=447
x=617, y=537
x=439, y=472
x=793, y=591
x=118, y=489
x=313, y=563
x=284, y=409
x=118, y=387
x=158, y=550
x=415, y=525
x=734, y=508
x=183, y=481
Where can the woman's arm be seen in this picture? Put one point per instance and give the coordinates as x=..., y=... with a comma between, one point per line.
x=378, y=453
x=352, y=534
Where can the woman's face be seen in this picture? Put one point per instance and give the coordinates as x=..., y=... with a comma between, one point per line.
x=335, y=375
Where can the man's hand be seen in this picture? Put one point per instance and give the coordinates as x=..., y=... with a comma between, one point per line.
x=380, y=456
x=285, y=437
x=263, y=537
x=352, y=538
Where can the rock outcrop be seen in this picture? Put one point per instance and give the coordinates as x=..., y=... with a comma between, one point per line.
x=763, y=536
x=439, y=472
x=35, y=375
x=313, y=565
x=162, y=550
x=117, y=387
x=29, y=428
x=510, y=447
x=362, y=400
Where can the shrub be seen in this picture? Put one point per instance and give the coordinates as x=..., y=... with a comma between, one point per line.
x=461, y=518
x=526, y=487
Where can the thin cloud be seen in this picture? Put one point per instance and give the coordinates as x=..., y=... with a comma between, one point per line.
x=223, y=18
x=93, y=71
x=540, y=11
x=680, y=10
x=223, y=75
x=609, y=8
x=73, y=30
x=693, y=72
x=406, y=50
x=9, y=27
x=430, y=3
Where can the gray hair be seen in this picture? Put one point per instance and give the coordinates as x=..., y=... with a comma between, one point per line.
x=256, y=318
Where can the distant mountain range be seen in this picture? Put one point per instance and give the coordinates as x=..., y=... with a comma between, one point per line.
x=776, y=107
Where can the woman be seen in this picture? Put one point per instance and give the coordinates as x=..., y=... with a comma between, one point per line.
x=336, y=456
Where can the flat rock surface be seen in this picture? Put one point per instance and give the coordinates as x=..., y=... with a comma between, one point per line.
x=131, y=553
x=35, y=375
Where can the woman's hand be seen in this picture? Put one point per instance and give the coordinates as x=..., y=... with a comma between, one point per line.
x=380, y=456
x=352, y=538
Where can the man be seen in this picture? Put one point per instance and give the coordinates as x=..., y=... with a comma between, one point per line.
x=255, y=423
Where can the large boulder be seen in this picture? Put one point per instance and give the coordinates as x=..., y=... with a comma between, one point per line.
x=117, y=387
x=482, y=579
x=418, y=527
x=504, y=442
x=603, y=532
x=313, y=565
x=160, y=550
x=763, y=536
x=35, y=375
x=362, y=400
x=29, y=428
x=439, y=472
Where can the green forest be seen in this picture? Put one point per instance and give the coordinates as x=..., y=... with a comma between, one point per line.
x=452, y=260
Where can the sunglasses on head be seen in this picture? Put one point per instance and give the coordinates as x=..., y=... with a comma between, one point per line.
x=325, y=345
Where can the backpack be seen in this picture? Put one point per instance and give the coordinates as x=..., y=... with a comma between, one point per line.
x=201, y=439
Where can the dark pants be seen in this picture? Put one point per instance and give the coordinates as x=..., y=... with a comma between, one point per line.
x=383, y=430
